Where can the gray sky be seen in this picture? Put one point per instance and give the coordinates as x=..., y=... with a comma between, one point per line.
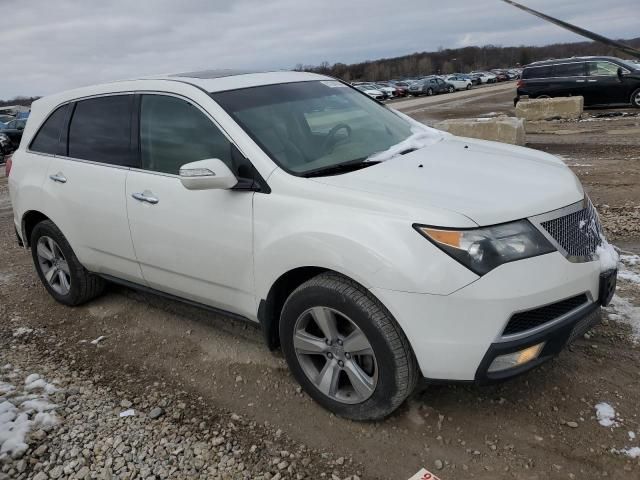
x=47, y=46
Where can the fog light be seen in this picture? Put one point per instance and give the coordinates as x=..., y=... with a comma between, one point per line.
x=516, y=359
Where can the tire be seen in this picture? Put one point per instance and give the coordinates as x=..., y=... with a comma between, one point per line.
x=468, y=87
x=391, y=367
x=429, y=92
x=635, y=98
x=80, y=286
x=451, y=89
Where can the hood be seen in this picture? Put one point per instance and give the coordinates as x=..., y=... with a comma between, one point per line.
x=487, y=182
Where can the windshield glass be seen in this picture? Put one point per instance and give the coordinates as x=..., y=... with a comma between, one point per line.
x=306, y=126
x=631, y=64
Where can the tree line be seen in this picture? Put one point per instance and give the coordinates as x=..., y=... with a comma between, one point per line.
x=24, y=101
x=464, y=59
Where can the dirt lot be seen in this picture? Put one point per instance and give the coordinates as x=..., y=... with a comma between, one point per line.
x=541, y=425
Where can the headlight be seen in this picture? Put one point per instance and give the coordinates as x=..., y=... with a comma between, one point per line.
x=483, y=249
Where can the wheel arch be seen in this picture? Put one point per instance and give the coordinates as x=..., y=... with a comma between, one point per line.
x=29, y=220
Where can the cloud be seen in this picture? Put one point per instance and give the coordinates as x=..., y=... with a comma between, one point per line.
x=50, y=46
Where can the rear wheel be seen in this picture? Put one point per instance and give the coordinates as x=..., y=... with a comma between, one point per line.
x=66, y=280
x=430, y=92
x=635, y=98
x=469, y=86
x=345, y=348
x=451, y=89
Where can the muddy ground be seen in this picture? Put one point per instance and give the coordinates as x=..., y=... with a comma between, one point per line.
x=521, y=429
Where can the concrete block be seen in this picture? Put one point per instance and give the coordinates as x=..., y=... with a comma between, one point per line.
x=569, y=108
x=499, y=129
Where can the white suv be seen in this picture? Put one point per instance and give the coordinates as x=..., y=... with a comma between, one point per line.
x=372, y=249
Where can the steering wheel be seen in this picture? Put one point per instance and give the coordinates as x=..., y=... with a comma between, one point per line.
x=329, y=141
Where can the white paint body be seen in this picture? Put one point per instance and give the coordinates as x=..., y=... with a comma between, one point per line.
x=227, y=248
x=459, y=84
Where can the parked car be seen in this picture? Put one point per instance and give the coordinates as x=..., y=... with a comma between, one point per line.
x=6, y=118
x=486, y=77
x=600, y=80
x=388, y=90
x=371, y=91
x=460, y=83
x=14, y=130
x=401, y=87
x=373, y=249
x=430, y=86
x=6, y=147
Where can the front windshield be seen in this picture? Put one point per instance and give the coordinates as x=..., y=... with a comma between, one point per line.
x=306, y=126
x=631, y=64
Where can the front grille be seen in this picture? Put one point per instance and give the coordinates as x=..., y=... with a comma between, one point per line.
x=578, y=233
x=523, y=321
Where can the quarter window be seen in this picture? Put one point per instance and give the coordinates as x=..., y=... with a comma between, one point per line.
x=47, y=140
x=100, y=130
x=537, y=72
x=174, y=132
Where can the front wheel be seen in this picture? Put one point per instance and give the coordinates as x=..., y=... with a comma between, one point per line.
x=451, y=89
x=66, y=280
x=345, y=348
x=429, y=92
x=468, y=86
x=635, y=98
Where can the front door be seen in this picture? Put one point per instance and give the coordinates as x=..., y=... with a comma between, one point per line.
x=603, y=85
x=190, y=243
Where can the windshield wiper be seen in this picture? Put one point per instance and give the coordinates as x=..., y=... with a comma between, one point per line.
x=340, y=168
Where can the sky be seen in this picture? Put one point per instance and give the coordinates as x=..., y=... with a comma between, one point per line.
x=48, y=46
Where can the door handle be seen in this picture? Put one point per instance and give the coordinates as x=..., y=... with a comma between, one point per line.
x=58, y=177
x=580, y=81
x=145, y=197
x=592, y=81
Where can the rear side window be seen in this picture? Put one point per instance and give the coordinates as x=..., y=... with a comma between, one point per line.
x=47, y=140
x=537, y=72
x=174, y=132
x=100, y=130
x=569, y=70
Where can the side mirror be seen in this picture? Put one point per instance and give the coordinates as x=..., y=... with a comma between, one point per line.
x=620, y=73
x=207, y=174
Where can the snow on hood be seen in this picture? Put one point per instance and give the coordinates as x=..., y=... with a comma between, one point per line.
x=421, y=136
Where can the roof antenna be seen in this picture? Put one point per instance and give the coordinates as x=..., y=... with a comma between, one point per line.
x=580, y=31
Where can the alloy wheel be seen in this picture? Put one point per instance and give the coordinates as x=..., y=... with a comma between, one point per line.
x=53, y=264
x=335, y=355
x=636, y=99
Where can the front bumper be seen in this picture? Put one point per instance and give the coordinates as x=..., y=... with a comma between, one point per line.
x=452, y=335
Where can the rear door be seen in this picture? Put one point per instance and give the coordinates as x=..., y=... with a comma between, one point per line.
x=84, y=190
x=196, y=244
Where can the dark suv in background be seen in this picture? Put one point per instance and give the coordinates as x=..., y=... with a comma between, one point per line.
x=600, y=80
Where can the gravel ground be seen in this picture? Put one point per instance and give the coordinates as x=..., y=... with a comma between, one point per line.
x=78, y=428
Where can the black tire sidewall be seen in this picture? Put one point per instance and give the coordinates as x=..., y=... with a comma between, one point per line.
x=633, y=98
x=380, y=402
x=48, y=228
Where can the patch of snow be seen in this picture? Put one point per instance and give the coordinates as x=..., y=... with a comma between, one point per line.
x=632, y=435
x=622, y=310
x=607, y=256
x=21, y=411
x=22, y=331
x=420, y=138
x=633, y=452
x=128, y=413
x=606, y=415
x=626, y=272
x=98, y=340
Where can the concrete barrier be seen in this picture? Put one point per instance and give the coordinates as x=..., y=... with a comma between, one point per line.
x=499, y=129
x=569, y=108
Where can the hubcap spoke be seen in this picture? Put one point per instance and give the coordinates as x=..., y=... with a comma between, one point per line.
x=357, y=344
x=44, y=252
x=63, y=280
x=327, y=381
x=50, y=274
x=326, y=320
x=64, y=266
x=362, y=383
x=308, y=344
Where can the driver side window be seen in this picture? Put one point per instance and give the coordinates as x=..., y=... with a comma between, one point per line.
x=174, y=132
